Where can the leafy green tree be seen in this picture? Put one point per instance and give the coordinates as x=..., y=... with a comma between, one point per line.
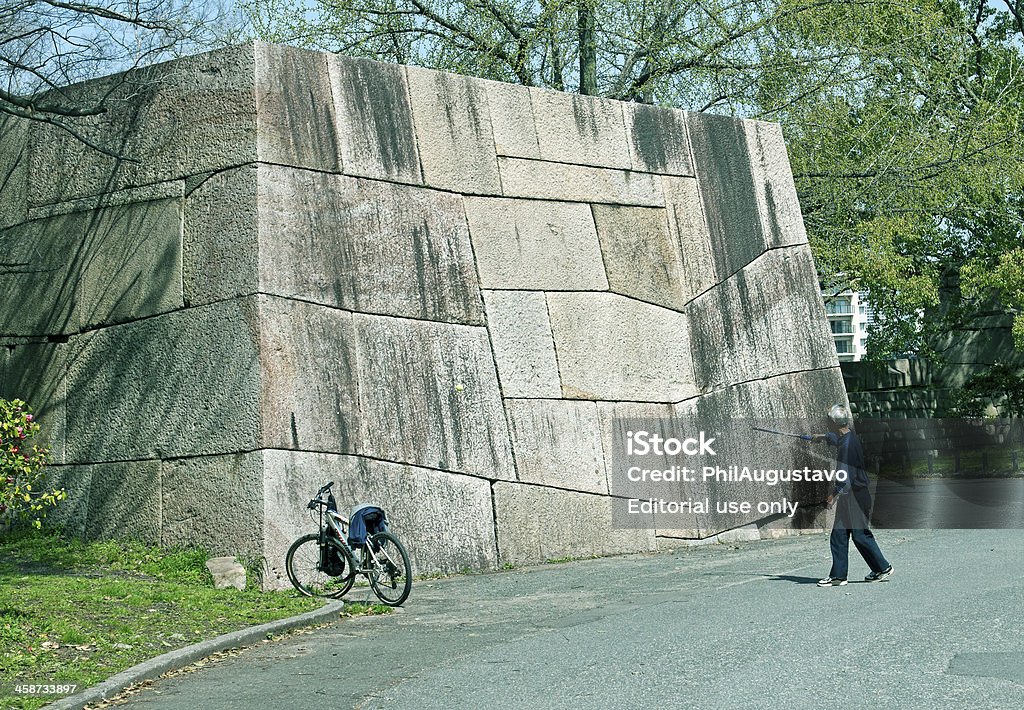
x=903, y=119
x=909, y=162
x=1006, y=278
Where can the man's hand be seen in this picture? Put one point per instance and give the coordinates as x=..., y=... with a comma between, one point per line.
x=830, y=501
x=818, y=437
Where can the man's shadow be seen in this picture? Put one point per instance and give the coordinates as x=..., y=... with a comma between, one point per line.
x=793, y=578
x=806, y=580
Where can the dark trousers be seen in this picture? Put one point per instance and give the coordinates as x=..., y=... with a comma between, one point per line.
x=852, y=513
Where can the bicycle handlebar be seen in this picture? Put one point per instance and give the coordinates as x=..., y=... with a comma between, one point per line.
x=316, y=499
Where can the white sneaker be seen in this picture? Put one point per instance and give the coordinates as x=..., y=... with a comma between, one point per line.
x=830, y=582
x=879, y=576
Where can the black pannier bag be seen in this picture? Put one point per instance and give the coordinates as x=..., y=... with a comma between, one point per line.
x=331, y=561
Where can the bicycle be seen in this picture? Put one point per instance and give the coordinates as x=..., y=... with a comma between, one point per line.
x=326, y=563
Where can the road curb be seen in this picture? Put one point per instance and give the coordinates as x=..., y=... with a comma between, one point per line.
x=179, y=658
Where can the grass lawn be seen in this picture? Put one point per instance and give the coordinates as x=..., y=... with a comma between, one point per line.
x=77, y=613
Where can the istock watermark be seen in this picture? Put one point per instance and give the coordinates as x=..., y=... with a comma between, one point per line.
x=643, y=442
x=707, y=476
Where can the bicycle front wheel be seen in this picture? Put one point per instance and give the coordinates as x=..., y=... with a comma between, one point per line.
x=389, y=569
x=305, y=566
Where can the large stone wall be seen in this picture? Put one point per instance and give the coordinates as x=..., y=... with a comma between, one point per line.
x=436, y=290
x=926, y=389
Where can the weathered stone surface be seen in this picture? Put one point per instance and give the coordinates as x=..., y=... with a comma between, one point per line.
x=374, y=125
x=658, y=139
x=579, y=129
x=765, y=320
x=294, y=109
x=428, y=395
x=983, y=346
x=366, y=246
x=749, y=197
x=526, y=244
x=36, y=372
x=576, y=183
x=124, y=501
x=13, y=170
x=85, y=269
x=641, y=255
x=524, y=350
x=613, y=418
x=220, y=237
x=453, y=130
x=170, y=189
x=558, y=443
x=176, y=119
x=791, y=402
x=444, y=520
x=866, y=375
x=307, y=361
x=538, y=523
x=686, y=220
x=745, y=533
x=726, y=178
x=38, y=291
x=617, y=420
x=131, y=262
x=777, y=202
x=227, y=572
x=612, y=347
x=515, y=132
x=800, y=397
x=71, y=514
x=214, y=502
x=186, y=383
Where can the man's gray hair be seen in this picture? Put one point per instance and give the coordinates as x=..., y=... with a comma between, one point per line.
x=839, y=415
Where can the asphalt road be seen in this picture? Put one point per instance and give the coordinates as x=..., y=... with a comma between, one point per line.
x=713, y=627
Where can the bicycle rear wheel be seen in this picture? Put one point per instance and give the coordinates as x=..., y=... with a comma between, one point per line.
x=305, y=570
x=388, y=568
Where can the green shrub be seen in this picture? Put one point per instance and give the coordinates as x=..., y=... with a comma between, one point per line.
x=23, y=491
x=999, y=388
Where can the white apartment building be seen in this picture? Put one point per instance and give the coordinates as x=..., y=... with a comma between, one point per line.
x=848, y=316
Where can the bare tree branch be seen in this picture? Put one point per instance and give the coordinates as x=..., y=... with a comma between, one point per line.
x=48, y=44
x=32, y=108
x=108, y=14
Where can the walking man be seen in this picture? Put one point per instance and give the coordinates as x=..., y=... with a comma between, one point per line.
x=853, y=505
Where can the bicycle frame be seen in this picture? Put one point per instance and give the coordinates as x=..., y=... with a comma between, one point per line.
x=362, y=554
x=335, y=526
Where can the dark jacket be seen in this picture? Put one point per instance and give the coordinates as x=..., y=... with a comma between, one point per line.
x=850, y=458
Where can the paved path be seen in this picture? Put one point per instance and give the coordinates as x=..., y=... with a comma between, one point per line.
x=712, y=627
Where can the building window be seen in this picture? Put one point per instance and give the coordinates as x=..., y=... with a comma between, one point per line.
x=838, y=307
x=844, y=346
x=842, y=327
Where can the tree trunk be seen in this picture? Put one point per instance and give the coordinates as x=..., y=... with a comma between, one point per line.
x=588, y=49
